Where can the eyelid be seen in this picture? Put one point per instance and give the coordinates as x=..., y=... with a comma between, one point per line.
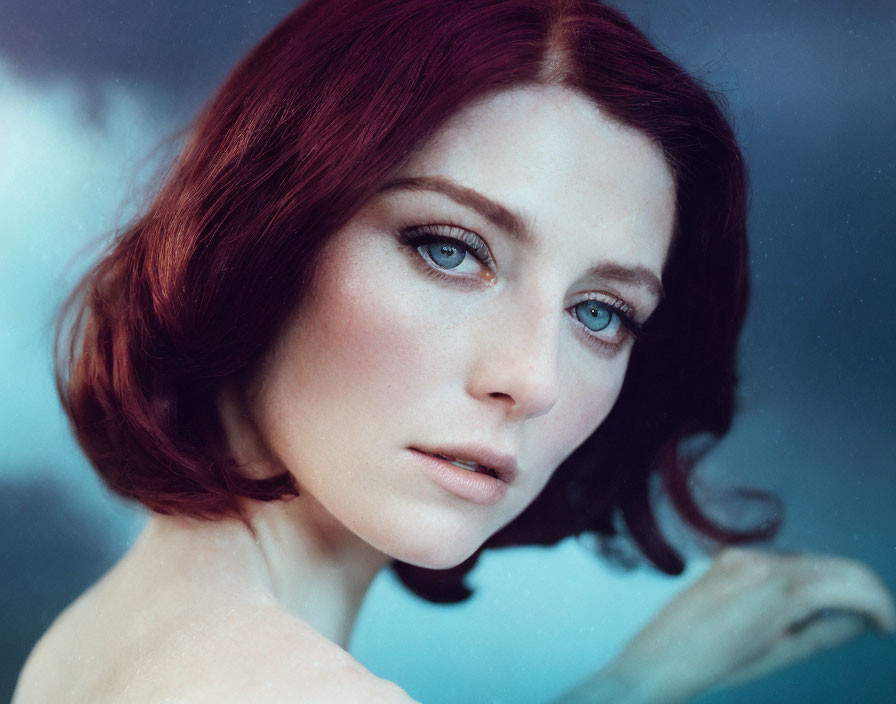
x=417, y=234
x=630, y=329
x=627, y=313
x=414, y=237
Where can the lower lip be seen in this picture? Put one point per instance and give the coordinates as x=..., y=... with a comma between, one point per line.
x=482, y=489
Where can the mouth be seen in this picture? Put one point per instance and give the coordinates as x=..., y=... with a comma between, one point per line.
x=476, y=474
x=466, y=464
x=477, y=459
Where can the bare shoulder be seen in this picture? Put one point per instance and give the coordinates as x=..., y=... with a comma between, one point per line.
x=259, y=654
x=278, y=662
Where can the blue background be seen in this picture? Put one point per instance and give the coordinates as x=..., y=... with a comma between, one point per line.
x=92, y=90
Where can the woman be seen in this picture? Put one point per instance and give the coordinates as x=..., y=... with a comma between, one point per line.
x=427, y=278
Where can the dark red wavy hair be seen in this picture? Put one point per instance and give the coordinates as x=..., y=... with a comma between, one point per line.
x=304, y=131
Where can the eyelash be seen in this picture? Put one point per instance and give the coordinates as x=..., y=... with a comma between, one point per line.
x=421, y=235
x=630, y=330
x=418, y=236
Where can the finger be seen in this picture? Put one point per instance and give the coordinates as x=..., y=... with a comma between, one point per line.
x=830, y=613
x=840, y=584
x=821, y=633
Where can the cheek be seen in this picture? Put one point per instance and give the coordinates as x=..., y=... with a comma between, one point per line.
x=362, y=343
x=589, y=396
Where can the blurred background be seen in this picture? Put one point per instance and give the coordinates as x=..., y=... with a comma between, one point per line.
x=92, y=96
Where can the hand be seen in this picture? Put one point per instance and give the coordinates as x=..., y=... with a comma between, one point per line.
x=751, y=613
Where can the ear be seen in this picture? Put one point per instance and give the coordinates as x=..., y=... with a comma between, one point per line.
x=246, y=444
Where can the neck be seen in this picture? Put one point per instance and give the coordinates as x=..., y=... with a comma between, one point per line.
x=293, y=551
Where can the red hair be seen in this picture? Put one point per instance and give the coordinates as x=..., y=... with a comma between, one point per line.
x=303, y=132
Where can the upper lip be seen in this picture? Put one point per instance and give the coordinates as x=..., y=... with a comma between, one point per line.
x=503, y=464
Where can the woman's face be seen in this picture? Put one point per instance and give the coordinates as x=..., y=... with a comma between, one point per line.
x=478, y=308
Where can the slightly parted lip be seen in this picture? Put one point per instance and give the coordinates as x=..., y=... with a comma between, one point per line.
x=503, y=464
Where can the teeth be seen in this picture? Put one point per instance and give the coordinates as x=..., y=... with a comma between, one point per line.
x=472, y=466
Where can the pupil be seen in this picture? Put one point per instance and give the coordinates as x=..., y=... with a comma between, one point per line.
x=446, y=255
x=593, y=315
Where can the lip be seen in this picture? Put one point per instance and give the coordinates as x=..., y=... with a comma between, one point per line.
x=475, y=487
x=503, y=464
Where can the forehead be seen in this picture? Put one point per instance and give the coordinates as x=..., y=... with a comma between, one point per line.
x=553, y=156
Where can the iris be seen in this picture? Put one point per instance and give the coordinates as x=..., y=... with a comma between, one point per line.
x=593, y=315
x=446, y=255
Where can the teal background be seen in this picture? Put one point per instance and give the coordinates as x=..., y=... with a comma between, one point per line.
x=91, y=91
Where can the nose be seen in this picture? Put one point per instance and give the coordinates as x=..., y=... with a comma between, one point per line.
x=516, y=365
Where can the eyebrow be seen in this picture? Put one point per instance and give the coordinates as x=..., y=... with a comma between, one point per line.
x=516, y=226
x=637, y=275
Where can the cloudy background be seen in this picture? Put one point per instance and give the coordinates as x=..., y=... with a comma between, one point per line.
x=92, y=95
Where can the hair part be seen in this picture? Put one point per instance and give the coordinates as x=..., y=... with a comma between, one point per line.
x=301, y=134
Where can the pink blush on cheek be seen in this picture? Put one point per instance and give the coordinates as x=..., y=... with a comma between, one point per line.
x=570, y=426
x=362, y=333
x=585, y=404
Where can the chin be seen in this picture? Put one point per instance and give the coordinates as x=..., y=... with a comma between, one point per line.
x=435, y=562
x=437, y=550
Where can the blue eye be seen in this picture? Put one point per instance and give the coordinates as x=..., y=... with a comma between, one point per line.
x=446, y=254
x=447, y=248
x=594, y=315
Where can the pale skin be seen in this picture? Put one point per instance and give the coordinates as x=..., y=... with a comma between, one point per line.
x=383, y=359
